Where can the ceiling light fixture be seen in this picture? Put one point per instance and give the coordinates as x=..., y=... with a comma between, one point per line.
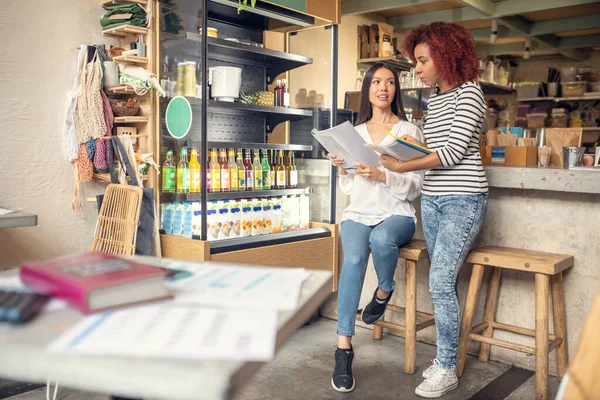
x=494, y=32
x=527, y=53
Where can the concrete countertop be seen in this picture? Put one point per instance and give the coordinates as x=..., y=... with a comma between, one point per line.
x=553, y=179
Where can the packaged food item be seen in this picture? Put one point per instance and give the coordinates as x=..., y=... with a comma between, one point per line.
x=235, y=215
x=276, y=217
x=304, y=212
x=246, y=218
x=167, y=218
x=364, y=41
x=267, y=216
x=386, y=32
x=224, y=220
x=178, y=219
x=285, y=214
x=257, y=217
x=294, y=202
x=212, y=221
x=374, y=41
x=197, y=218
x=557, y=138
x=188, y=214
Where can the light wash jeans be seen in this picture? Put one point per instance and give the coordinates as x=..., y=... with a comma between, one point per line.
x=450, y=225
x=383, y=241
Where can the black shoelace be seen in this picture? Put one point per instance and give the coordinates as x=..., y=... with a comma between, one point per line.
x=342, y=364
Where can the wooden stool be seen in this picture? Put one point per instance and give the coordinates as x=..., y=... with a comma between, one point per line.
x=546, y=267
x=412, y=253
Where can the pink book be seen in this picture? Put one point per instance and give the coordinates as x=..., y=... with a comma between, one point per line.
x=95, y=281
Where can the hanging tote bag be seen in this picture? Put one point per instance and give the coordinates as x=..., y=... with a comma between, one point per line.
x=129, y=176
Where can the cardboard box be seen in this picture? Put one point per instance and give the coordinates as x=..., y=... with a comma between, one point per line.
x=521, y=156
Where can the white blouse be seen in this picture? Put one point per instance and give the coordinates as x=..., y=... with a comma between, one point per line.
x=371, y=202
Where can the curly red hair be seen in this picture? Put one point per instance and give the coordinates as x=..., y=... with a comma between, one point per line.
x=452, y=49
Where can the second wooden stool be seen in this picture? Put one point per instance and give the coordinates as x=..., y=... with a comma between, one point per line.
x=412, y=253
x=546, y=267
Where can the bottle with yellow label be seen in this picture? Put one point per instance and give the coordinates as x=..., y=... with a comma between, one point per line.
x=241, y=171
x=280, y=172
x=194, y=172
x=258, y=171
x=215, y=172
x=233, y=170
x=266, y=170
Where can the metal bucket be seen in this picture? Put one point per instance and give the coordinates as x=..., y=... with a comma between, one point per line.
x=573, y=156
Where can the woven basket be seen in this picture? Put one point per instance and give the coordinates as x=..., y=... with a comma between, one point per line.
x=119, y=109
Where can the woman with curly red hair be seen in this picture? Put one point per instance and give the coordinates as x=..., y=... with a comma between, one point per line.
x=455, y=189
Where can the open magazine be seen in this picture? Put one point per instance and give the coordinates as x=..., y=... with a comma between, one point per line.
x=400, y=149
x=345, y=142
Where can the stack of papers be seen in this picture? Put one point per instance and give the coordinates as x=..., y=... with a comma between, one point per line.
x=220, y=312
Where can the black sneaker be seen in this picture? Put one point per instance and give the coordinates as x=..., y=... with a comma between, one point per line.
x=373, y=311
x=342, y=379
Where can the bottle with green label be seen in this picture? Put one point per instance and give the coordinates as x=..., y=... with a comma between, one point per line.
x=266, y=170
x=183, y=172
x=169, y=174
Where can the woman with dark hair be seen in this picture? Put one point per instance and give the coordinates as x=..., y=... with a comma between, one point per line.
x=380, y=217
x=455, y=190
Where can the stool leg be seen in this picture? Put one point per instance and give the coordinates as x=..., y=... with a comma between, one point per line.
x=560, y=324
x=410, y=337
x=542, y=285
x=489, y=313
x=377, y=332
x=467, y=320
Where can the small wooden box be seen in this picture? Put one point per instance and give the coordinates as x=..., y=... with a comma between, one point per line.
x=521, y=156
x=126, y=130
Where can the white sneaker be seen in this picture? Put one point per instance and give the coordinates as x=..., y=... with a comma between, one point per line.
x=438, y=384
x=435, y=365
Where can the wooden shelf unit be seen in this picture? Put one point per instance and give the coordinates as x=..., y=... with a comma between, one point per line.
x=131, y=59
x=132, y=120
x=125, y=30
x=115, y=2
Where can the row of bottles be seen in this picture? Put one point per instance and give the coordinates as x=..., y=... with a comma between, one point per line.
x=230, y=171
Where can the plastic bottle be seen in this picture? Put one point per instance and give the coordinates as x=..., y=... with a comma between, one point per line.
x=293, y=183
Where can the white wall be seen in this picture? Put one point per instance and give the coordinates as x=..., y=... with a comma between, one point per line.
x=37, y=64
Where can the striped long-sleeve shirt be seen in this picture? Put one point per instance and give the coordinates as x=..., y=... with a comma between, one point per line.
x=452, y=128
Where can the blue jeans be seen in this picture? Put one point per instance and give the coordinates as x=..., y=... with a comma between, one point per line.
x=450, y=225
x=383, y=241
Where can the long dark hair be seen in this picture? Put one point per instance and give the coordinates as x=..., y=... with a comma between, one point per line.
x=365, y=112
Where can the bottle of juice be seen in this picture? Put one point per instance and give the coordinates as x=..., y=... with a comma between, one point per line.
x=215, y=172
x=280, y=173
x=169, y=174
x=233, y=170
x=183, y=172
x=249, y=171
x=258, y=171
x=194, y=172
x=272, y=163
x=293, y=171
x=266, y=170
x=208, y=174
x=288, y=171
x=241, y=171
x=225, y=173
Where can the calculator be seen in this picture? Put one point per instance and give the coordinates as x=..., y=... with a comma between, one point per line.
x=18, y=307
